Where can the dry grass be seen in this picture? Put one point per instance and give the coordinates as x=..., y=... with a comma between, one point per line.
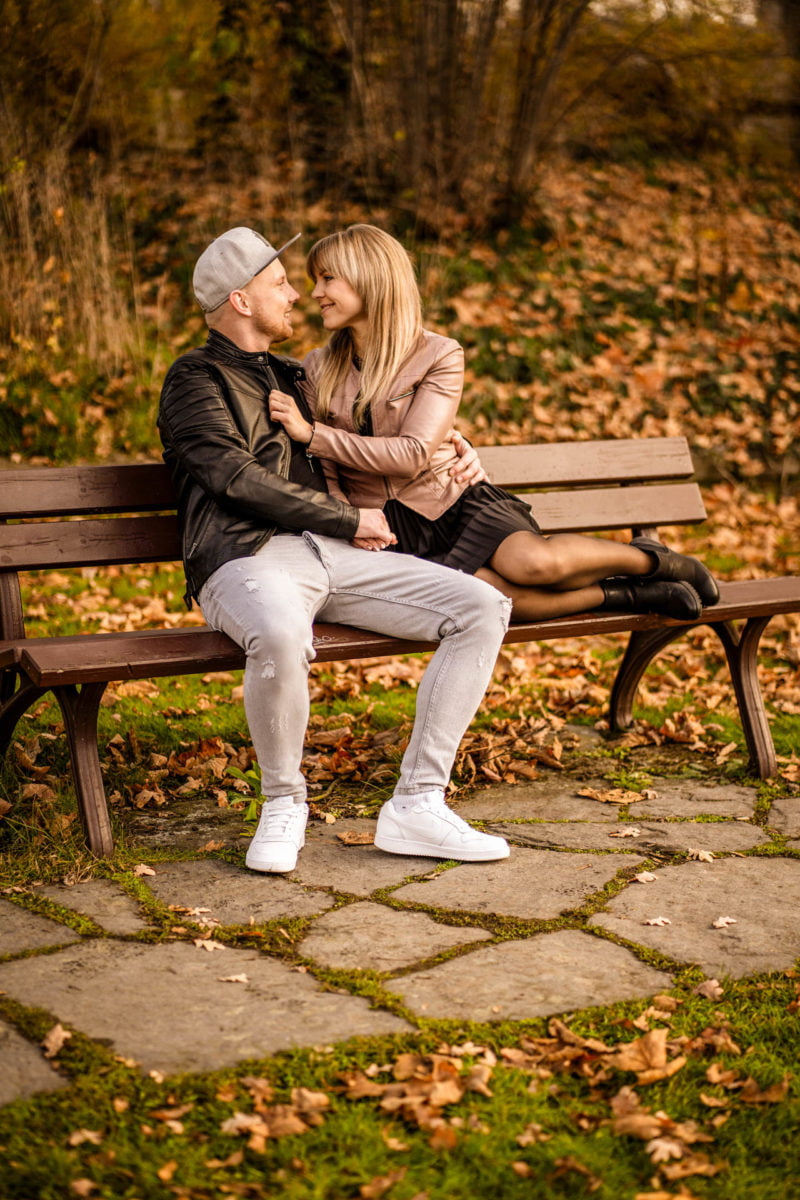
x=71, y=289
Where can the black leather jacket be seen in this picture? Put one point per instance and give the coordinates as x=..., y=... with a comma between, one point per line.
x=232, y=467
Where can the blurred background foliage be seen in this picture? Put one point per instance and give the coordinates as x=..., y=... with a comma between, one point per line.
x=132, y=131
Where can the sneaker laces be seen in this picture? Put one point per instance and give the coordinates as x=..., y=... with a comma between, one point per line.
x=437, y=804
x=280, y=825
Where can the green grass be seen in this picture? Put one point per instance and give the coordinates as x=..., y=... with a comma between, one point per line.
x=786, y=733
x=579, y=1154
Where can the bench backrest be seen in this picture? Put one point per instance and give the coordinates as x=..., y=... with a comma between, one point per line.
x=125, y=513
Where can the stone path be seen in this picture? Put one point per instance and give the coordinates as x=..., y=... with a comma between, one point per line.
x=202, y=964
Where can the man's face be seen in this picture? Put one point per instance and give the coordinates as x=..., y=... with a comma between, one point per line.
x=271, y=298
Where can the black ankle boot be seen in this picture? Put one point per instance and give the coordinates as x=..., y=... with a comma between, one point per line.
x=673, y=567
x=671, y=599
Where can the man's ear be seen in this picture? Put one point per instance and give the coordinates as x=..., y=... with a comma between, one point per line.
x=240, y=303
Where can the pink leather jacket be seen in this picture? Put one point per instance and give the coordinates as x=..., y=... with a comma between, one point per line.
x=407, y=457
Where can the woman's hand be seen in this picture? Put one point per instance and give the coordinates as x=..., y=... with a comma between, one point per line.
x=469, y=469
x=283, y=408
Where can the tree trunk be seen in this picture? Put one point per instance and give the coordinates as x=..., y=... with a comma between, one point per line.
x=782, y=17
x=546, y=29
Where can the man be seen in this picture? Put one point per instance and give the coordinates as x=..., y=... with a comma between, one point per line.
x=267, y=552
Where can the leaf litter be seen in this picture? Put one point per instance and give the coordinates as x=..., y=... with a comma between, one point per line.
x=423, y=1091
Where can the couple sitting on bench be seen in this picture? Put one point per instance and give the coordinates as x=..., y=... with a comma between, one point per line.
x=291, y=478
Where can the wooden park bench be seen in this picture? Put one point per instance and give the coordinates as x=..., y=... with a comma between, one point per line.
x=125, y=514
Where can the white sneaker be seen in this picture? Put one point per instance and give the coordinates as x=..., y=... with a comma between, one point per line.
x=280, y=835
x=431, y=829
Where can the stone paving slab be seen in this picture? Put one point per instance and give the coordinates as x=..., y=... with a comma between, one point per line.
x=553, y=798
x=762, y=895
x=102, y=900
x=532, y=884
x=22, y=930
x=784, y=815
x=354, y=870
x=720, y=836
x=167, y=1007
x=187, y=825
x=550, y=973
x=687, y=798
x=231, y=894
x=376, y=938
x=23, y=1068
x=557, y=799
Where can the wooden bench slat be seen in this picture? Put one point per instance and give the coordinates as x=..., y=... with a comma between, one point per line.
x=141, y=653
x=9, y=654
x=146, y=487
x=54, y=544
x=63, y=491
x=117, y=540
x=138, y=654
x=596, y=509
x=556, y=464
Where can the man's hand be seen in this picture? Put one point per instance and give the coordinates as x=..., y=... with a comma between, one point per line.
x=373, y=531
x=468, y=469
x=283, y=408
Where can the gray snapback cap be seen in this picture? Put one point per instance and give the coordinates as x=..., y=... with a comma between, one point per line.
x=230, y=262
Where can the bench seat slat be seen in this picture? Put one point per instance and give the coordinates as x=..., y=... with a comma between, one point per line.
x=558, y=464
x=141, y=653
x=92, y=658
x=10, y=653
x=138, y=654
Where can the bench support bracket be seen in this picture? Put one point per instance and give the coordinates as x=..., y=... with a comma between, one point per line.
x=79, y=707
x=741, y=651
x=14, y=704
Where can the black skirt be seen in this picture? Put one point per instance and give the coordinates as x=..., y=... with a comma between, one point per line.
x=467, y=534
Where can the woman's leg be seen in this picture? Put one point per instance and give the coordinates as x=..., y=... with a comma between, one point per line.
x=565, y=562
x=570, y=561
x=569, y=573
x=540, y=604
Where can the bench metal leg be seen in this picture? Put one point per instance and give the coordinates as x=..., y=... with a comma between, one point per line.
x=7, y=684
x=642, y=648
x=14, y=704
x=741, y=651
x=79, y=709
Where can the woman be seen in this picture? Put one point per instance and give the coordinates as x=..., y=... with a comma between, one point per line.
x=385, y=393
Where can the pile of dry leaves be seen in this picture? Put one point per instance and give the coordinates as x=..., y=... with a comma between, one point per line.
x=423, y=1091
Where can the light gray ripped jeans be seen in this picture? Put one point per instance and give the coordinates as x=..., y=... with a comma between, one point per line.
x=267, y=603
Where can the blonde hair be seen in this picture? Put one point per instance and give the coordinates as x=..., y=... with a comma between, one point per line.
x=378, y=269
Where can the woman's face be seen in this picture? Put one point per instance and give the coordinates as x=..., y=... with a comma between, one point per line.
x=340, y=305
